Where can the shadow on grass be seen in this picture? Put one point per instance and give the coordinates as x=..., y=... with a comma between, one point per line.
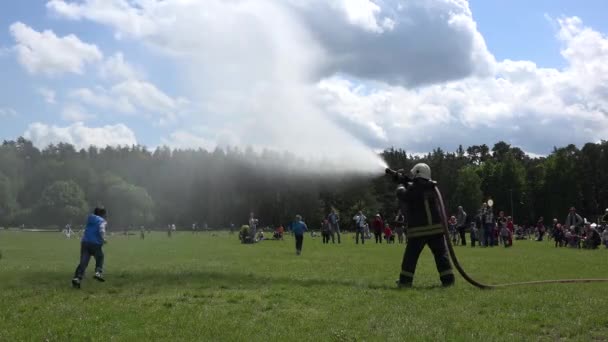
x=200, y=279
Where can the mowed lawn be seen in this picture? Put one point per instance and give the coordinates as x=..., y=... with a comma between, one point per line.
x=209, y=287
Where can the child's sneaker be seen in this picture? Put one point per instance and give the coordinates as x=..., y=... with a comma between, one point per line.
x=99, y=277
x=76, y=283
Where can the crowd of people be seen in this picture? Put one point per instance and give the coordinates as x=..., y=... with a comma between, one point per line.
x=485, y=229
x=488, y=230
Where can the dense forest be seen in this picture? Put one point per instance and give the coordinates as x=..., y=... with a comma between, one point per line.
x=59, y=184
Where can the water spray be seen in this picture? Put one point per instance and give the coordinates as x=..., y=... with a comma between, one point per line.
x=402, y=178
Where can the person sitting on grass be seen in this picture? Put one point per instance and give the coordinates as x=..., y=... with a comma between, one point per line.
x=592, y=237
x=92, y=241
x=245, y=234
x=278, y=233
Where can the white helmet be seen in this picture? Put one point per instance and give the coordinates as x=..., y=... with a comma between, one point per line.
x=421, y=170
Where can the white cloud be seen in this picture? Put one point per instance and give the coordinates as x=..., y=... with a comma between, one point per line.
x=361, y=13
x=46, y=53
x=415, y=74
x=101, y=98
x=76, y=113
x=132, y=97
x=80, y=135
x=133, y=18
x=48, y=95
x=535, y=108
x=7, y=112
x=401, y=43
x=116, y=68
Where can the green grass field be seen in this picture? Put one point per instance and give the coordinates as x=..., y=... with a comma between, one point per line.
x=211, y=288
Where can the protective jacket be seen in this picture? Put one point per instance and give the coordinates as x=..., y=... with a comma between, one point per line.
x=418, y=201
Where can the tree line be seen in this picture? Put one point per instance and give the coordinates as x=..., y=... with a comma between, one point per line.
x=60, y=184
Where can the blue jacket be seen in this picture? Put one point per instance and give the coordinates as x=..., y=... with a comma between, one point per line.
x=95, y=230
x=299, y=228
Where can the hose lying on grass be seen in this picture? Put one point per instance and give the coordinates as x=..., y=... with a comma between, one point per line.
x=486, y=286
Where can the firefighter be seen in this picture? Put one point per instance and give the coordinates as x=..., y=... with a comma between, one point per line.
x=419, y=202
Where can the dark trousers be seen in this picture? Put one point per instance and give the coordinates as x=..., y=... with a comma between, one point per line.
x=335, y=230
x=299, y=241
x=378, y=237
x=360, y=232
x=438, y=246
x=488, y=234
x=86, y=251
x=326, y=237
x=540, y=236
x=463, y=238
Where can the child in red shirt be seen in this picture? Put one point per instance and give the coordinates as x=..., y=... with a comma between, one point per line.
x=388, y=234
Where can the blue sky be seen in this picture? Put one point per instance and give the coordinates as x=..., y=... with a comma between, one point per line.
x=186, y=92
x=518, y=29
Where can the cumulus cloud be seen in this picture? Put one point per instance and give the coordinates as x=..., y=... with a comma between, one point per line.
x=536, y=108
x=80, y=135
x=117, y=68
x=414, y=74
x=131, y=97
x=406, y=43
x=409, y=43
x=46, y=53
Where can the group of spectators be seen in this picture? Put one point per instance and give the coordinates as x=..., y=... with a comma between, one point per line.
x=380, y=227
x=485, y=229
x=576, y=232
x=489, y=230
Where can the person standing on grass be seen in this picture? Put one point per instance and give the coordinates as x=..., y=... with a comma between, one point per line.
x=488, y=226
x=452, y=224
x=419, y=200
x=474, y=234
x=360, y=223
x=334, y=221
x=91, y=243
x=388, y=234
x=605, y=237
x=540, y=228
x=574, y=221
x=480, y=223
x=299, y=228
x=399, y=226
x=378, y=227
x=253, y=225
x=461, y=225
x=325, y=231
x=142, y=232
x=557, y=233
x=511, y=229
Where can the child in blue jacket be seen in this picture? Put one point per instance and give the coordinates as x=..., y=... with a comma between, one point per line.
x=92, y=241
